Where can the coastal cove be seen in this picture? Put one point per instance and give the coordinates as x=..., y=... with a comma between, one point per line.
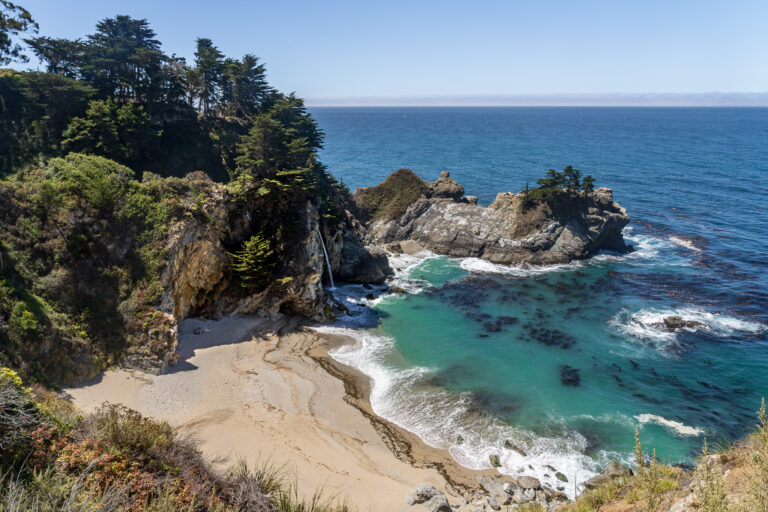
x=265, y=391
x=477, y=354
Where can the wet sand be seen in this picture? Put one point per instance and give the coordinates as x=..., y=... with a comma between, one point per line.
x=267, y=391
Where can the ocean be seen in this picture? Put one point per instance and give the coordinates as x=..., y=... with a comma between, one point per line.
x=552, y=368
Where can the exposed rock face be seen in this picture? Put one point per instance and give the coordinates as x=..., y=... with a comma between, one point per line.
x=446, y=188
x=198, y=277
x=675, y=323
x=358, y=263
x=571, y=225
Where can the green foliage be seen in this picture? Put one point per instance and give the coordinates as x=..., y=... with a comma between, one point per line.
x=82, y=254
x=570, y=180
x=37, y=107
x=61, y=56
x=123, y=132
x=98, y=180
x=392, y=197
x=649, y=477
x=123, y=60
x=280, y=147
x=19, y=418
x=14, y=20
x=254, y=263
x=756, y=499
x=709, y=490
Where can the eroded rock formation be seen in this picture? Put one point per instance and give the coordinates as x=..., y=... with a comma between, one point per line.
x=570, y=225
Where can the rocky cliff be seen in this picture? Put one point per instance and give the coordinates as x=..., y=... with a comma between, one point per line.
x=98, y=268
x=437, y=215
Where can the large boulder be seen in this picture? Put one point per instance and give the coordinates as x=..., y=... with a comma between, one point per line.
x=360, y=263
x=438, y=503
x=675, y=323
x=529, y=482
x=422, y=494
x=616, y=470
x=446, y=188
x=496, y=489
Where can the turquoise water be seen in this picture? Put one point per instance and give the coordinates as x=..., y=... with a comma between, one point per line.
x=564, y=361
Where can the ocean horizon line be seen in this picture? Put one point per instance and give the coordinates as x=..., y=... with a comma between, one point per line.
x=713, y=99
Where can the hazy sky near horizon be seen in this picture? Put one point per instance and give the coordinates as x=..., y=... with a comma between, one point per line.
x=342, y=49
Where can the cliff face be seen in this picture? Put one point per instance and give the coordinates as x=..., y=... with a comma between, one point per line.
x=198, y=278
x=100, y=269
x=570, y=225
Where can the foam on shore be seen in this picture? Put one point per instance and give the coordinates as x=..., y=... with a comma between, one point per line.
x=646, y=323
x=448, y=421
x=676, y=426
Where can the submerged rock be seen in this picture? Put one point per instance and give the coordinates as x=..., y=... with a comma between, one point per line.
x=510, y=446
x=495, y=462
x=675, y=323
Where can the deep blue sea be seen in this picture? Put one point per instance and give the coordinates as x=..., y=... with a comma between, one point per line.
x=475, y=354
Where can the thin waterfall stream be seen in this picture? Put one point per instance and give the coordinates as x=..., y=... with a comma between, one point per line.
x=327, y=260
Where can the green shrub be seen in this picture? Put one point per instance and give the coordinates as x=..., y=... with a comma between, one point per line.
x=392, y=197
x=254, y=263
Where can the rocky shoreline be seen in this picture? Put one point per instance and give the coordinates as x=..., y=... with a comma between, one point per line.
x=403, y=214
x=506, y=493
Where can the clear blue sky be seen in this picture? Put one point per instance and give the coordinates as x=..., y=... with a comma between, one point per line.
x=391, y=48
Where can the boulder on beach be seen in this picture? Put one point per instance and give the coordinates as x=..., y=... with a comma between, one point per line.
x=422, y=494
x=529, y=482
x=438, y=503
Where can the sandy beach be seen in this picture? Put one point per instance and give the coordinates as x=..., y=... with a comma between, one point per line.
x=266, y=390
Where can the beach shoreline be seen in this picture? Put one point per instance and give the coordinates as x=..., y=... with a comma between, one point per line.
x=268, y=391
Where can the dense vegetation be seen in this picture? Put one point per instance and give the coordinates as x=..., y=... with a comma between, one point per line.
x=116, y=94
x=391, y=198
x=568, y=181
x=106, y=150
x=52, y=458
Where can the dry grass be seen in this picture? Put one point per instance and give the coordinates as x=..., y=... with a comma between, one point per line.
x=117, y=460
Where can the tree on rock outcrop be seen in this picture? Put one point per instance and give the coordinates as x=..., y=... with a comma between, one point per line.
x=254, y=263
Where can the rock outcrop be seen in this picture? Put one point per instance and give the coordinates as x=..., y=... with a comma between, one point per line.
x=568, y=226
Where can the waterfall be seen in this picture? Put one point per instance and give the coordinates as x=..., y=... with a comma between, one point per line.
x=327, y=260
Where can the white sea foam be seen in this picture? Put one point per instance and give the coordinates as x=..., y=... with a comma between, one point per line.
x=679, y=428
x=684, y=243
x=645, y=324
x=401, y=395
x=479, y=266
x=646, y=248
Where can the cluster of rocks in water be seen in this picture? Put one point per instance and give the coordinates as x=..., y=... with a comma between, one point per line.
x=437, y=215
x=505, y=493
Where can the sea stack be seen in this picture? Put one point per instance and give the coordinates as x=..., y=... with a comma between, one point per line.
x=567, y=226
